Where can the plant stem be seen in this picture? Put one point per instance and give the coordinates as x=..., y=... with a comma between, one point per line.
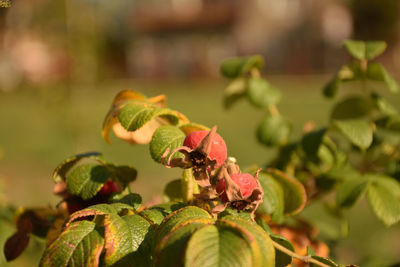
x=273, y=110
x=292, y=254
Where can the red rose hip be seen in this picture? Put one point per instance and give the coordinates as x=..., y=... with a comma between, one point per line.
x=109, y=187
x=218, y=150
x=245, y=181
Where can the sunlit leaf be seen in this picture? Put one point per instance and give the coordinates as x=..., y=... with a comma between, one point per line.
x=128, y=240
x=86, y=180
x=359, y=132
x=384, y=198
x=377, y=72
x=134, y=116
x=99, y=209
x=59, y=174
x=365, y=50
x=273, y=201
x=294, y=193
x=188, y=128
x=273, y=131
x=62, y=251
x=383, y=105
x=261, y=94
x=166, y=137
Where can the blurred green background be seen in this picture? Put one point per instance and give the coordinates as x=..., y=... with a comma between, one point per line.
x=62, y=62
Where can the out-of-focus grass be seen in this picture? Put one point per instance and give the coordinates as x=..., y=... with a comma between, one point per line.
x=41, y=127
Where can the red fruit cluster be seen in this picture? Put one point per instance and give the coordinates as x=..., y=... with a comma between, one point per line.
x=245, y=181
x=109, y=187
x=218, y=150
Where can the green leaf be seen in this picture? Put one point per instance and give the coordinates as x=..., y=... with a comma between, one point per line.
x=203, y=248
x=99, y=209
x=332, y=87
x=88, y=251
x=282, y=259
x=383, y=105
x=166, y=137
x=234, y=91
x=261, y=94
x=376, y=72
x=364, y=50
x=133, y=200
x=293, y=191
x=170, y=250
x=232, y=67
x=351, y=72
x=273, y=131
x=351, y=108
x=128, y=240
x=173, y=191
x=180, y=216
x=157, y=213
x=62, y=252
x=266, y=248
x=311, y=143
x=86, y=180
x=355, y=48
x=384, y=198
x=374, y=49
x=351, y=191
x=273, y=200
x=124, y=174
x=235, y=67
x=254, y=61
x=326, y=261
x=359, y=132
x=134, y=116
x=59, y=174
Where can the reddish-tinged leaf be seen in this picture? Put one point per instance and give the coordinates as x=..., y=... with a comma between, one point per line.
x=15, y=245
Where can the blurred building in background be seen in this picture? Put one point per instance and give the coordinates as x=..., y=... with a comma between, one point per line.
x=84, y=41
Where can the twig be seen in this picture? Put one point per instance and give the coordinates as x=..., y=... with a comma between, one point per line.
x=292, y=254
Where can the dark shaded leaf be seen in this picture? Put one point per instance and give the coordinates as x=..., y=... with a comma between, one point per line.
x=332, y=87
x=351, y=191
x=173, y=191
x=15, y=245
x=311, y=143
x=351, y=108
x=133, y=200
